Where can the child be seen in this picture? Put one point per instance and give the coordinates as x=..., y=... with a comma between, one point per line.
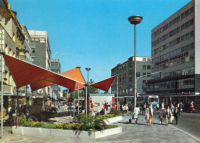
x=160, y=117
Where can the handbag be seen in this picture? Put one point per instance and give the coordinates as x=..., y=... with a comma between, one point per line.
x=145, y=117
x=171, y=118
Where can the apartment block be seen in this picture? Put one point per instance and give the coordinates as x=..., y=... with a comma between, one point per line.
x=125, y=73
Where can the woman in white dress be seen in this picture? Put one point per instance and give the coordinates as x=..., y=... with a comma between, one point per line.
x=136, y=112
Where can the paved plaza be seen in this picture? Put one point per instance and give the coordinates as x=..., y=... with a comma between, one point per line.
x=132, y=133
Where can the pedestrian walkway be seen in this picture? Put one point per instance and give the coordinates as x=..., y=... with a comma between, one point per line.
x=132, y=133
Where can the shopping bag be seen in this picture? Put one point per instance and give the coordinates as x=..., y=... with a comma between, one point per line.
x=171, y=119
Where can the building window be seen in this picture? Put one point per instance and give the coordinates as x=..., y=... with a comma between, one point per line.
x=144, y=67
x=148, y=74
x=137, y=74
x=144, y=82
x=144, y=59
x=148, y=67
x=182, y=60
x=144, y=74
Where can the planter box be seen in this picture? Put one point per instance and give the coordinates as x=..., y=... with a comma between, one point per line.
x=113, y=120
x=66, y=133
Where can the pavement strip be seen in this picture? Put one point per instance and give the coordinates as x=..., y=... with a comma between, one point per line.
x=181, y=131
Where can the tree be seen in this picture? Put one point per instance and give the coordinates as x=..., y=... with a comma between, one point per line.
x=91, y=89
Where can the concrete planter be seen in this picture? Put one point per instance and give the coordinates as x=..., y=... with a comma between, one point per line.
x=66, y=133
x=113, y=120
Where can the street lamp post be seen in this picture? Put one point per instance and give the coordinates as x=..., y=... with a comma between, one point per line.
x=87, y=69
x=135, y=20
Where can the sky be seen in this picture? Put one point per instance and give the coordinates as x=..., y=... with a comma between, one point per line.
x=94, y=33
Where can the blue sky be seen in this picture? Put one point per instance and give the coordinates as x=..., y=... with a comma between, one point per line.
x=94, y=33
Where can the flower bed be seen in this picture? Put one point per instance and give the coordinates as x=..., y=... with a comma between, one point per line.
x=66, y=133
x=83, y=127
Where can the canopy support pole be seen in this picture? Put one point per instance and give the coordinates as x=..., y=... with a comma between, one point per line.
x=26, y=103
x=1, y=96
x=17, y=106
x=78, y=97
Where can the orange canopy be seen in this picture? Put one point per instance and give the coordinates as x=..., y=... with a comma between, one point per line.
x=104, y=84
x=25, y=73
x=74, y=74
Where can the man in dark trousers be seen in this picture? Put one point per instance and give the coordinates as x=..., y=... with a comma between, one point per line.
x=176, y=114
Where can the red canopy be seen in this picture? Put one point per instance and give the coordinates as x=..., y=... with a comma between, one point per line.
x=104, y=84
x=74, y=74
x=25, y=73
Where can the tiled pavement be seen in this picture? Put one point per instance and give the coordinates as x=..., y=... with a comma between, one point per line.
x=131, y=133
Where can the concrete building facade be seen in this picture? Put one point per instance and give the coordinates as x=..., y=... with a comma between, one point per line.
x=41, y=54
x=125, y=72
x=55, y=67
x=175, y=52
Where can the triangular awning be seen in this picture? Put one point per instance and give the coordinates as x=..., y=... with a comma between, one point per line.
x=104, y=84
x=25, y=73
x=74, y=74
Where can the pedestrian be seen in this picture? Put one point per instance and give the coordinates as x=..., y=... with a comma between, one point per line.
x=176, y=114
x=157, y=106
x=191, y=107
x=160, y=117
x=172, y=108
x=125, y=108
x=163, y=106
x=58, y=105
x=136, y=112
x=181, y=107
x=168, y=114
x=10, y=112
x=149, y=114
x=121, y=107
x=65, y=107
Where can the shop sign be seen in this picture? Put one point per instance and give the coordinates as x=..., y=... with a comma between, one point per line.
x=172, y=58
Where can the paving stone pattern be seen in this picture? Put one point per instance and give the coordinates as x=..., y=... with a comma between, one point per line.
x=132, y=133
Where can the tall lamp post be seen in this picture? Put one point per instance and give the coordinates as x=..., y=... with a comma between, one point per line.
x=135, y=20
x=87, y=69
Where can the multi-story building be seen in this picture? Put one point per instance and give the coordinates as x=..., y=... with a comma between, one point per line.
x=125, y=73
x=55, y=67
x=41, y=54
x=12, y=43
x=175, y=52
x=27, y=42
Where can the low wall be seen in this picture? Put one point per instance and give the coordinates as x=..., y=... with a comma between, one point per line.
x=113, y=120
x=66, y=133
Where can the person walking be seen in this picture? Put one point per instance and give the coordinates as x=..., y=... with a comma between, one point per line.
x=176, y=114
x=125, y=108
x=163, y=106
x=172, y=108
x=121, y=107
x=58, y=105
x=191, y=107
x=10, y=112
x=168, y=115
x=136, y=112
x=149, y=114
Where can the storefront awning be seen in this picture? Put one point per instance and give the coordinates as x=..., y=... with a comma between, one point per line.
x=25, y=73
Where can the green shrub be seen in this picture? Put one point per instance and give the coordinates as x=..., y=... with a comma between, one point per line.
x=112, y=126
x=49, y=126
x=115, y=111
x=69, y=126
x=59, y=126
